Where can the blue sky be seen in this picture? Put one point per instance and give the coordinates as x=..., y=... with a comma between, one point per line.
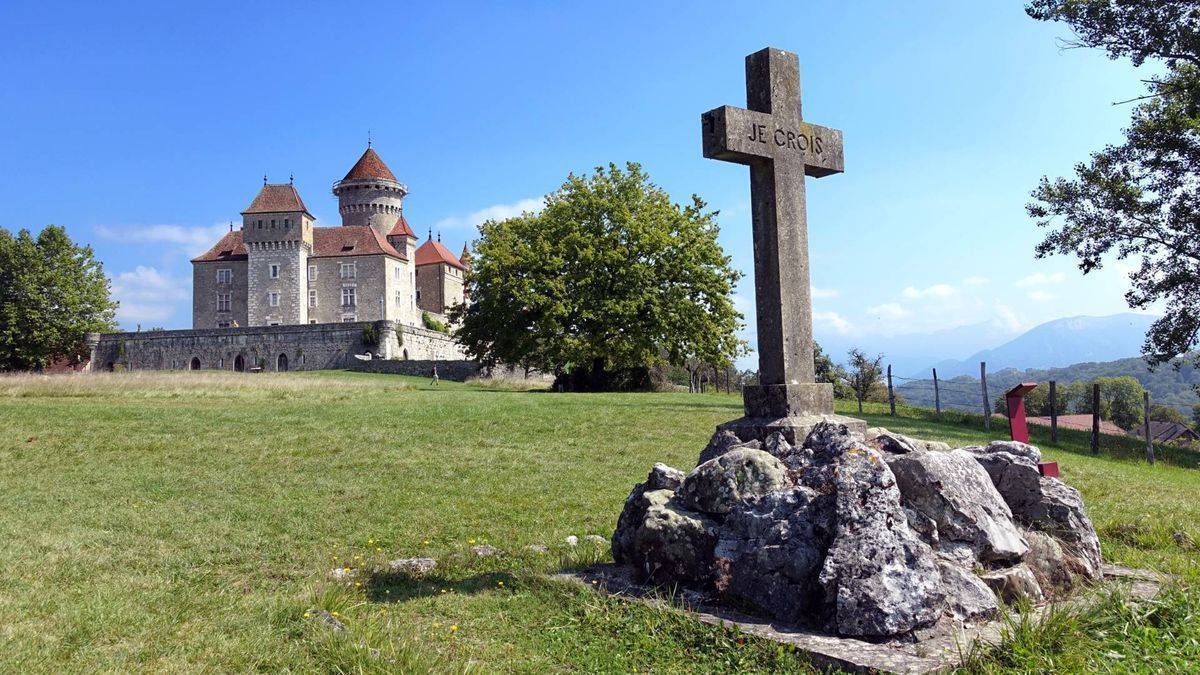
x=146, y=128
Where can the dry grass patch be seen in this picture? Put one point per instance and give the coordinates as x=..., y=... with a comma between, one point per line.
x=191, y=384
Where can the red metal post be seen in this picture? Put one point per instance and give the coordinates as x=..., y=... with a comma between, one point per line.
x=1015, y=398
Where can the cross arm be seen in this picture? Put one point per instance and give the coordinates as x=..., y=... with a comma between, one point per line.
x=747, y=136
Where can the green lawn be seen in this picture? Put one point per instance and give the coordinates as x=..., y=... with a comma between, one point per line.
x=187, y=522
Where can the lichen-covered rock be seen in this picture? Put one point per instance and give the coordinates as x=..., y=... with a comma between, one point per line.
x=413, y=567
x=770, y=551
x=674, y=544
x=1015, y=448
x=717, y=485
x=1044, y=503
x=1054, y=570
x=722, y=442
x=886, y=441
x=1013, y=584
x=967, y=597
x=878, y=576
x=661, y=477
x=954, y=491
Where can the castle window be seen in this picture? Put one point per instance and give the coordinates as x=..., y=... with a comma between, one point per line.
x=260, y=224
x=347, y=270
x=312, y=297
x=273, y=299
x=399, y=299
x=287, y=222
x=222, y=302
x=224, y=276
x=349, y=318
x=222, y=324
x=272, y=223
x=349, y=297
x=312, y=272
x=396, y=272
x=274, y=271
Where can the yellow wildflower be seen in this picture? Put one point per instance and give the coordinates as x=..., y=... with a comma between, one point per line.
x=453, y=628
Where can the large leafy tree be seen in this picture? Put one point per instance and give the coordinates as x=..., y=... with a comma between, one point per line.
x=610, y=276
x=52, y=293
x=1140, y=199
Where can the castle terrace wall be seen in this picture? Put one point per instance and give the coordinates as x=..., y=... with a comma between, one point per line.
x=319, y=346
x=456, y=371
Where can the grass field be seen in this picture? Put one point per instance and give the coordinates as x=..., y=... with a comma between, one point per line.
x=188, y=521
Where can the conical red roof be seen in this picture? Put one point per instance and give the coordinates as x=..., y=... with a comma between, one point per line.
x=370, y=166
x=401, y=229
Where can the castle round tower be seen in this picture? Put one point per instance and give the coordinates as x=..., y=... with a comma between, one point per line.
x=370, y=194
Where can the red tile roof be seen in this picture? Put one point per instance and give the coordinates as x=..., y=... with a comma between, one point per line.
x=282, y=198
x=328, y=242
x=432, y=252
x=348, y=240
x=370, y=166
x=401, y=228
x=229, y=248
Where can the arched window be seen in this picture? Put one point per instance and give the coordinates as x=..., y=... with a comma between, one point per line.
x=195, y=364
x=281, y=364
x=239, y=364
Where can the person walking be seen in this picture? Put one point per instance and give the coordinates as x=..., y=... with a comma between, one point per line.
x=434, y=375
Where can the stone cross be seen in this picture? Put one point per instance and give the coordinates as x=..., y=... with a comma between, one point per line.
x=781, y=149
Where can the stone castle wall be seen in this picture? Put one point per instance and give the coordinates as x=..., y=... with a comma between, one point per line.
x=302, y=347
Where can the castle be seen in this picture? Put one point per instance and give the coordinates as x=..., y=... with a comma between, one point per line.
x=281, y=269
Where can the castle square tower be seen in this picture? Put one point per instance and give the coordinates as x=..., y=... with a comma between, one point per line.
x=439, y=277
x=277, y=231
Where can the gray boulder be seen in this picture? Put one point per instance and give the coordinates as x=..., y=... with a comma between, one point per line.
x=1047, y=504
x=771, y=549
x=954, y=491
x=1054, y=570
x=674, y=544
x=1013, y=584
x=968, y=598
x=661, y=477
x=879, y=578
x=717, y=485
x=886, y=441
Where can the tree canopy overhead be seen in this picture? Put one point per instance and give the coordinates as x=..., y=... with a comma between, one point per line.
x=610, y=276
x=1141, y=199
x=52, y=293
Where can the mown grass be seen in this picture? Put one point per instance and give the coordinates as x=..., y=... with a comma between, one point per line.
x=188, y=521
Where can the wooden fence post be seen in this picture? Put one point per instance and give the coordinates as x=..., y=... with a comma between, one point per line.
x=891, y=392
x=937, y=395
x=1053, y=413
x=1146, y=423
x=987, y=405
x=1095, y=418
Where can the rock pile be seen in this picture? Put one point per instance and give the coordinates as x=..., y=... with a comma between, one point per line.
x=871, y=536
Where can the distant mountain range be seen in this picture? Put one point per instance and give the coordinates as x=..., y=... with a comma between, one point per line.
x=1167, y=385
x=1056, y=344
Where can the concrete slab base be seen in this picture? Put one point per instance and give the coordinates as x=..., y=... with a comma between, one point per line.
x=937, y=650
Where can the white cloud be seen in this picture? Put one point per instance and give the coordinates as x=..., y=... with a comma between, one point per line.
x=975, y=281
x=934, y=291
x=833, y=320
x=823, y=293
x=147, y=295
x=889, y=310
x=494, y=212
x=1042, y=279
x=1007, y=319
x=192, y=240
x=1041, y=296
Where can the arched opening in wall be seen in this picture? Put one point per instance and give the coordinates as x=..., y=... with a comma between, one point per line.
x=239, y=364
x=281, y=363
x=110, y=367
x=195, y=364
x=405, y=353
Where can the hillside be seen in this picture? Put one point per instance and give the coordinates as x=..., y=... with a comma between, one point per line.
x=1055, y=344
x=1167, y=385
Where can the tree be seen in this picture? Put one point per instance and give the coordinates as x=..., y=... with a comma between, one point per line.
x=864, y=374
x=1166, y=413
x=52, y=293
x=1138, y=199
x=828, y=371
x=608, y=280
